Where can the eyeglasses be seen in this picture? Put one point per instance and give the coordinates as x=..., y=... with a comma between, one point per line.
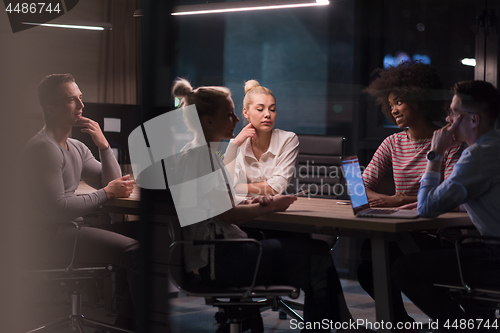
x=452, y=113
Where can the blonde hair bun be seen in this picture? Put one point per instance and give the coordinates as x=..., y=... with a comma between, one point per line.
x=182, y=88
x=250, y=84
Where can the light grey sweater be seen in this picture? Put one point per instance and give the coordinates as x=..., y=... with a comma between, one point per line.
x=53, y=174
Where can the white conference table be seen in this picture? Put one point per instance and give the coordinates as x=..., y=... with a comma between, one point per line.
x=326, y=216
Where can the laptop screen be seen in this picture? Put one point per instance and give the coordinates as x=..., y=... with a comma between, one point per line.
x=355, y=184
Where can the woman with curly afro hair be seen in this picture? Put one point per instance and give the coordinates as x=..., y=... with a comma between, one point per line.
x=411, y=97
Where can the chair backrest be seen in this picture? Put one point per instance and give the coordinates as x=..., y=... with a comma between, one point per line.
x=319, y=166
x=478, y=276
x=192, y=284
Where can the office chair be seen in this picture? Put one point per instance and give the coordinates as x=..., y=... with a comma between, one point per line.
x=485, y=298
x=319, y=169
x=73, y=278
x=319, y=166
x=240, y=312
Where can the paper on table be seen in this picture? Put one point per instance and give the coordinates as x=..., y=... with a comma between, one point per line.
x=112, y=125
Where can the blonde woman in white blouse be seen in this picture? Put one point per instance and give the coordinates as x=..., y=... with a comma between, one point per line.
x=266, y=160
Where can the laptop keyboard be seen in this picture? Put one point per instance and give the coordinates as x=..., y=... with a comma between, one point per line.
x=379, y=211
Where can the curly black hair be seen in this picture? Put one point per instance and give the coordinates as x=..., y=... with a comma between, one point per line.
x=416, y=83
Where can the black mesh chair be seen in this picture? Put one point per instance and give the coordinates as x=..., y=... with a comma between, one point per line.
x=74, y=278
x=485, y=299
x=239, y=306
x=319, y=166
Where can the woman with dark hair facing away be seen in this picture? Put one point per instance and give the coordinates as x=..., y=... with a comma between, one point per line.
x=410, y=96
x=266, y=161
x=304, y=263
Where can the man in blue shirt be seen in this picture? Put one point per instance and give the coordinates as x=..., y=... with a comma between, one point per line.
x=473, y=183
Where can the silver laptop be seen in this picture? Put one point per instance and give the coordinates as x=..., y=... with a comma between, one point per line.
x=359, y=199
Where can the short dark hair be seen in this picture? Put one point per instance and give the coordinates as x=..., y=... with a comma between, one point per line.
x=480, y=95
x=417, y=83
x=48, y=85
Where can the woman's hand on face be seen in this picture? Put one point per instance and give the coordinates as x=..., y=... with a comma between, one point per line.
x=247, y=132
x=280, y=203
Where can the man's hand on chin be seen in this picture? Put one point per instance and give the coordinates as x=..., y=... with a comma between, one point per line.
x=92, y=127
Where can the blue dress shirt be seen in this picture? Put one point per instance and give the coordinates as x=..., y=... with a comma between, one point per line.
x=474, y=182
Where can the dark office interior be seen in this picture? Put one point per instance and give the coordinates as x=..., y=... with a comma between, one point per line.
x=316, y=60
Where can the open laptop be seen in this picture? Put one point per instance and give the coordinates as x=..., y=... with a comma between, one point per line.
x=359, y=199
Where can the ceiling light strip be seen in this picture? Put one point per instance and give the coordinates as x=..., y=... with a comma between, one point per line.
x=226, y=7
x=67, y=26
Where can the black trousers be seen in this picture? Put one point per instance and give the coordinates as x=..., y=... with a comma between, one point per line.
x=365, y=270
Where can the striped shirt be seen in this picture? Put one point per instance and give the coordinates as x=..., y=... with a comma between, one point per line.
x=408, y=160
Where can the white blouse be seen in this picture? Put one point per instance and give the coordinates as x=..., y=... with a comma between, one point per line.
x=276, y=165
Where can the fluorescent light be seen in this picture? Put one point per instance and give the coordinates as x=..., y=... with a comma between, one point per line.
x=469, y=62
x=104, y=26
x=226, y=7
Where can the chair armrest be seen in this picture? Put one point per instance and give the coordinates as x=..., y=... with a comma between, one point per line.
x=459, y=243
x=441, y=233
x=220, y=242
x=69, y=268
